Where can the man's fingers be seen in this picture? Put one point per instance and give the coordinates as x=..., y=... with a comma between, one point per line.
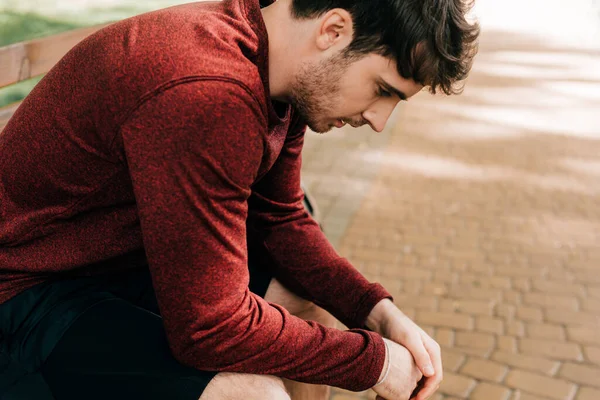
x=432, y=383
x=418, y=389
x=422, y=359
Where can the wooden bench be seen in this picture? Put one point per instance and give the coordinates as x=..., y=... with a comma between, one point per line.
x=25, y=60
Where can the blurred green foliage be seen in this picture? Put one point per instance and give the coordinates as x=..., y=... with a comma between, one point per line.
x=18, y=22
x=16, y=27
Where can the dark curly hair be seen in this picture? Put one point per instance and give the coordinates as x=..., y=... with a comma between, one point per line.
x=431, y=40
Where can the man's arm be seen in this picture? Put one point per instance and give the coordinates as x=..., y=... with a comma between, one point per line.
x=286, y=238
x=193, y=151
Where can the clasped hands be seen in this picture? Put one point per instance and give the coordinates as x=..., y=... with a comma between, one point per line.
x=413, y=365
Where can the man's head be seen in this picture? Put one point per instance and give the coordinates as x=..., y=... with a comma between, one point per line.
x=358, y=58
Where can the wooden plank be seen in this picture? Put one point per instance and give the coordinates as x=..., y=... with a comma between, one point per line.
x=6, y=113
x=24, y=60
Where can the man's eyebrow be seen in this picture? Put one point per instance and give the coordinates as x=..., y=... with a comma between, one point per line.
x=392, y=89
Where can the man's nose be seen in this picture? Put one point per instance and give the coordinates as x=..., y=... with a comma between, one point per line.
x=378, y=116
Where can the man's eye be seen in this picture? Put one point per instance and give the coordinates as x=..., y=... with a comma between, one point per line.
x=383, y=93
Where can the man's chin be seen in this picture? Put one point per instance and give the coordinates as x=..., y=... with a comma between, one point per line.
x=320, y=128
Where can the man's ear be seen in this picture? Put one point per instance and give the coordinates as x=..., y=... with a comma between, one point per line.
x=335, y=30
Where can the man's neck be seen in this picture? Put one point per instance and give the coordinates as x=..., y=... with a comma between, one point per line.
x=283, y=58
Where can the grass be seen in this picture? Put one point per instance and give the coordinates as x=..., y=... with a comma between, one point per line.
x=16, y=27
x=28, y=19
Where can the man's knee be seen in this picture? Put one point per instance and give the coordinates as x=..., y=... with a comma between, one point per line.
x=312, y=312
x=233, y=386
x=298, y=306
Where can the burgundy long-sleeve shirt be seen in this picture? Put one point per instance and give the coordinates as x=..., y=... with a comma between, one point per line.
x=157, y=135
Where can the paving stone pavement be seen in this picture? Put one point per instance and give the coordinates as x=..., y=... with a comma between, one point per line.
x=481, y=214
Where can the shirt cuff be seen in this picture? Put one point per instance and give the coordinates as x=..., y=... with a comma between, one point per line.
x=369, y=300
x=370, y=376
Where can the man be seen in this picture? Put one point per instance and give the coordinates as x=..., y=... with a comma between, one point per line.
x=153, y=242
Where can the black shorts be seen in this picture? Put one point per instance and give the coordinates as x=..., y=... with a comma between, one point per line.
x=94, y=338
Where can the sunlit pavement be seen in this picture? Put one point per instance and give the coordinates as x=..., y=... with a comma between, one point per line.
x=481, y=212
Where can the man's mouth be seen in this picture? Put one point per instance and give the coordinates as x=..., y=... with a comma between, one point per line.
x=339, y=123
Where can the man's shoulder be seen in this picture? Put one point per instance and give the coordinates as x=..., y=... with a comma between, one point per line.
x=195, y=40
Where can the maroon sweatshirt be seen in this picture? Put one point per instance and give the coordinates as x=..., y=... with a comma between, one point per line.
x=157, y=136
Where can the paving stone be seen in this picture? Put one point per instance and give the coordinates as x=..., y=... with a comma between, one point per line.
x=522, y=361
x=593, y=291
x=507, y=344
x=512, y=271
x=515, y=328
x=506, y=311
x=586, y=393
x=551, y=301
x=552, y=349
x=546, y=286
x=513, y=297
x=477, y=280
x=447, y=320
x=438, y=396
x=406, y=272
x=456, y=385
x=592, y=354
x=339, y=396
x=522, y=284
x=474, y=351
x=572, y=318
x=590, y=305
x=435, y=288
x=532, y=314
x=587, y=276
x=499, y=282
x=489, y=325
x=582, y=374
x=489, y=391
x=540, y=385
x=520, y=395
x=484, y=370
x=545, y=331
x=452, y=360
x=466, y=306
x=469, y=292
x=475, y=340
x=418, y=302
x=584, y=334
x=444, y=337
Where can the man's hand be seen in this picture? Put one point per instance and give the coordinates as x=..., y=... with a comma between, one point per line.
x=403, y=374
x=387, y=320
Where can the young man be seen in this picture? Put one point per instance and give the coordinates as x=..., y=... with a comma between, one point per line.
x=153, y=242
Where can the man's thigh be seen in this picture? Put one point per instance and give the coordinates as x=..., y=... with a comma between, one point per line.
x=296, y=305
x=116, y=350
x=279, y=294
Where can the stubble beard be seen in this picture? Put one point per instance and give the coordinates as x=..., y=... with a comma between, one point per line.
x=315, y=91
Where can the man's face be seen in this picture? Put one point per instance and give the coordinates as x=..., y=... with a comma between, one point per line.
x=340, y=90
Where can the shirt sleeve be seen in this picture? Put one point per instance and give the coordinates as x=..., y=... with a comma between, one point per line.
x=286, y=239
x=193, y=152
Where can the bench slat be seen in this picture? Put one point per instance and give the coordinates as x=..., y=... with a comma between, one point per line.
x=21, y=61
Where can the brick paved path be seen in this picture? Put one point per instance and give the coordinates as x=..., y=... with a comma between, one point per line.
x=481, y=214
